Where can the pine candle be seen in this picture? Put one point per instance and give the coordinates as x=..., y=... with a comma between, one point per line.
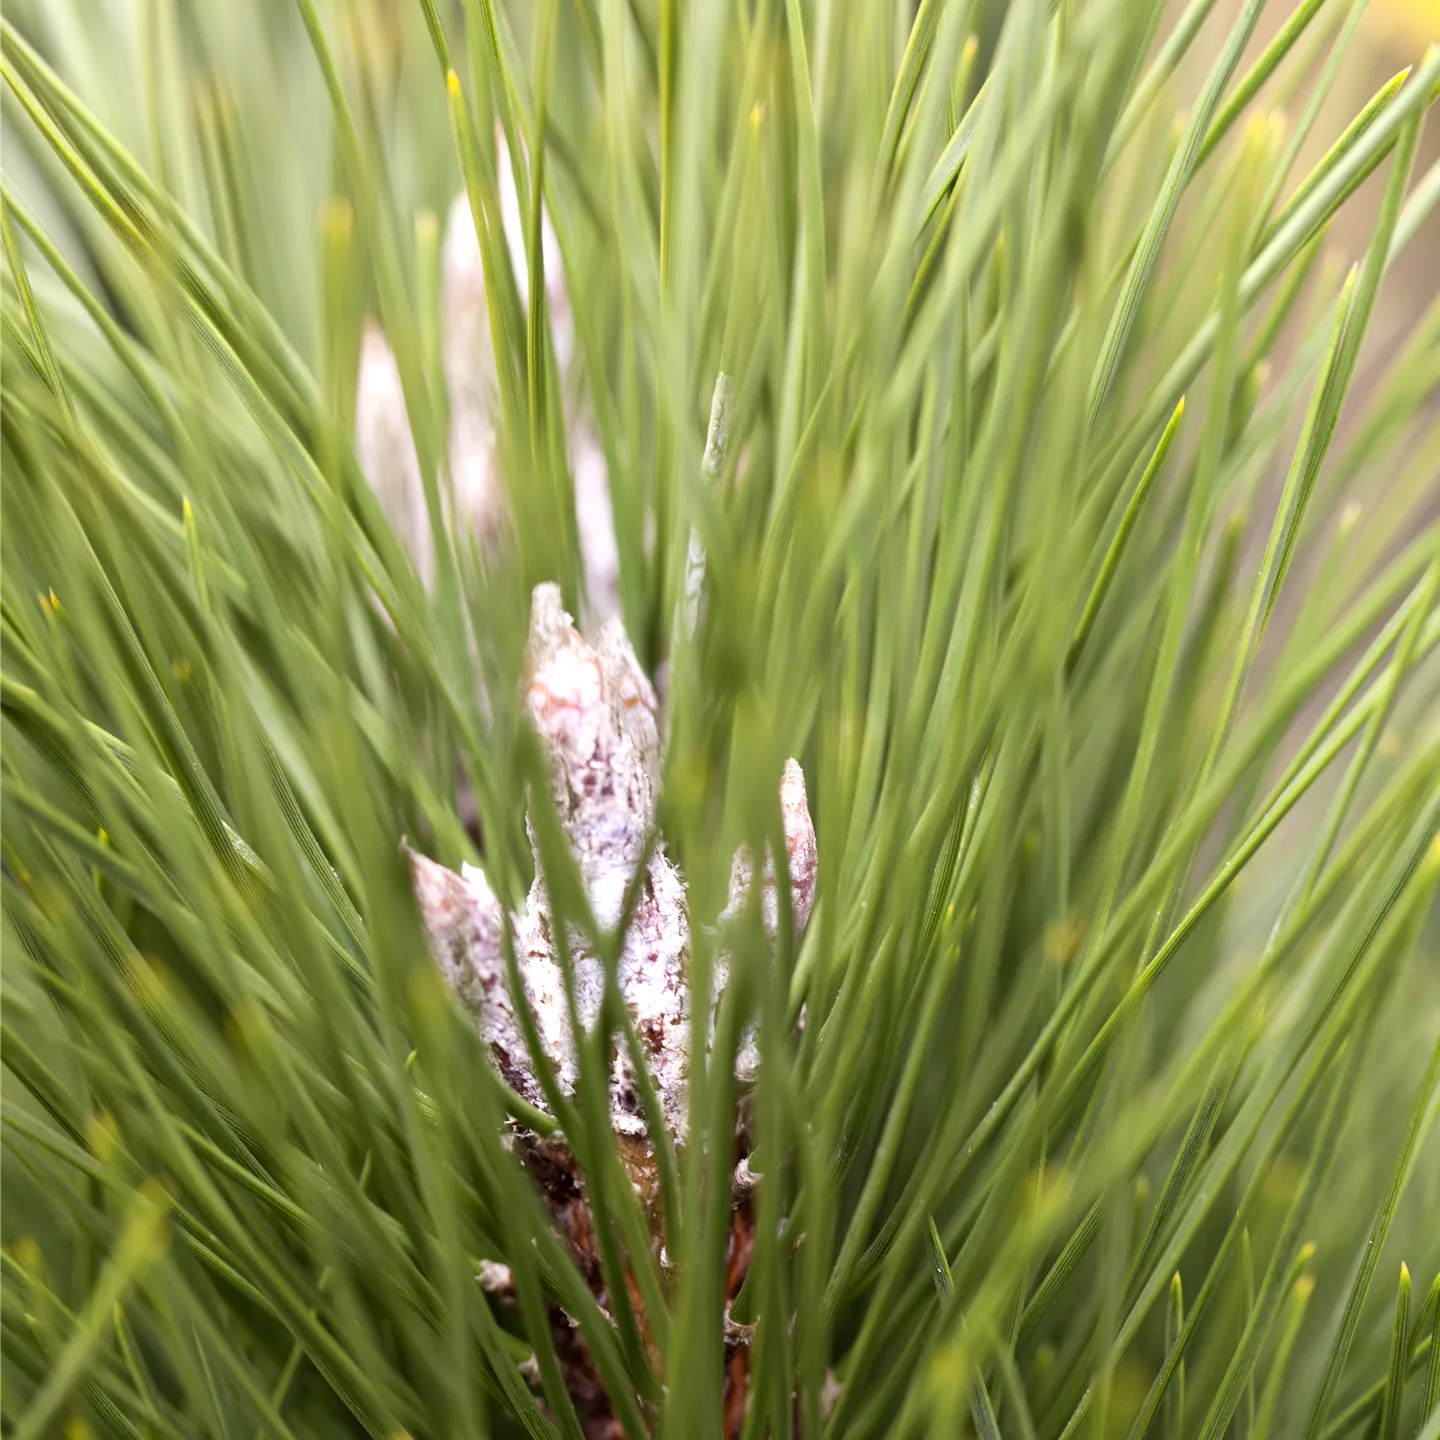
x=597, y=716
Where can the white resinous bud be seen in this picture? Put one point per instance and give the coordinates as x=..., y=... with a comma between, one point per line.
x=596, y=714
x=385, y=448
x=472, y=386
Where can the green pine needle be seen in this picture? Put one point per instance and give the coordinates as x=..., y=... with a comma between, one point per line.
x=1120, y=735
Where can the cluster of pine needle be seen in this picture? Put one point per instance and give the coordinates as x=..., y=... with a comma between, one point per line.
x=1068, y=533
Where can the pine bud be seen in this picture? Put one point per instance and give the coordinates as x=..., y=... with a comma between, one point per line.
x=596, y=714
x=385, y=448
x=472, y=386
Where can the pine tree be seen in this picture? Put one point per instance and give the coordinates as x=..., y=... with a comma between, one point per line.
x=719, y=720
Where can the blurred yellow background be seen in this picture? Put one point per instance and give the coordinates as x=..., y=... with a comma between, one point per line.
x=1415, y=23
